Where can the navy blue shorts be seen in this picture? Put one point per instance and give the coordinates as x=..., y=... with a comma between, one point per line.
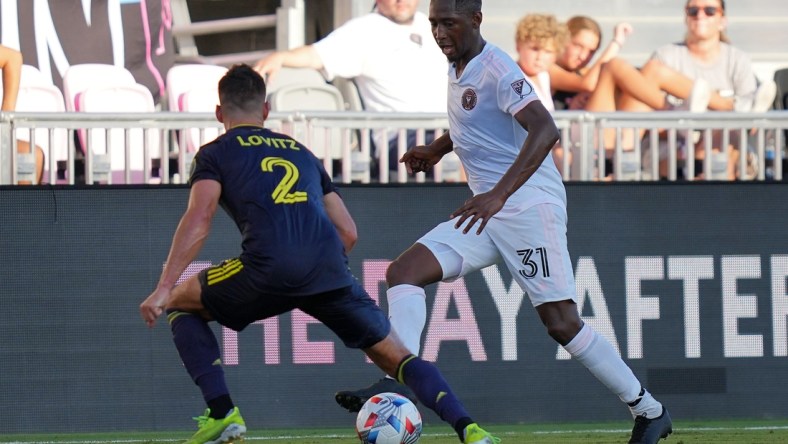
x=234, y=302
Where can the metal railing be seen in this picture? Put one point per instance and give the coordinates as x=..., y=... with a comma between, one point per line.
x=88, y=147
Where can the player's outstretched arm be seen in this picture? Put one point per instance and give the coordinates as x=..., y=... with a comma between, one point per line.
x=189, y=237
x=342, y=220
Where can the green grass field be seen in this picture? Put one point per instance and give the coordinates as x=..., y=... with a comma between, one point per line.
x=738, y=432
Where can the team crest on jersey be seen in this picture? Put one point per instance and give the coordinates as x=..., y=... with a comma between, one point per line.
x=469, y=99
x=519, y=86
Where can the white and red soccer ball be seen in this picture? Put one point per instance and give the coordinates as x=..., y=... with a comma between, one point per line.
x=388, y=418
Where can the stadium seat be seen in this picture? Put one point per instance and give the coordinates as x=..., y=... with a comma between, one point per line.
x=43, y=98
x=133, y=98
x=31, y=75
x=303, y=97
x=349, y=91
x=37, y=93
x=79, y=78
x=199, y=100
x=193, y=88
x=183, y=78
x=295, y=76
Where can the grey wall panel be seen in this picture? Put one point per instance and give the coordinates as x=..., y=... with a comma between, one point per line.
x=689, y=281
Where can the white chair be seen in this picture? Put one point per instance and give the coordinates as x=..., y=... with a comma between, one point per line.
x=37, y=93
x=31, y=75
x=302, y=97
x=184, y=78
x=108, y=146
x=349, y=91
x=294, y=76
x=44, y=98
x=79, y=78
x=194, y=88
x=199, y=101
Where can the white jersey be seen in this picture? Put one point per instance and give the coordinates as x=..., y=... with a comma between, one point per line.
x=486, y=137
x=397, y=68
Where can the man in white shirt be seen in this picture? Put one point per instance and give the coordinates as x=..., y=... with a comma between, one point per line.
x=503, y=135
x=390, y=55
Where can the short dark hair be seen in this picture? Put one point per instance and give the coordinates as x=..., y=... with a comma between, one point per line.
x=468, y=6
x=242, y=89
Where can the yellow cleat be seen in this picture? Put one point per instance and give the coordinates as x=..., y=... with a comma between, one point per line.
x=477, y=435
x=230, y=429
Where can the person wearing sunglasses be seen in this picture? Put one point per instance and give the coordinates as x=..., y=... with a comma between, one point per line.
x=612, y=84
x=706, y=53
x=702, y=72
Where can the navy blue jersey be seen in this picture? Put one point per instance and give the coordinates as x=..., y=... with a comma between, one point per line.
x=273, y=188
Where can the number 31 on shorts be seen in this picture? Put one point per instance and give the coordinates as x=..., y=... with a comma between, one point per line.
x=532, y=268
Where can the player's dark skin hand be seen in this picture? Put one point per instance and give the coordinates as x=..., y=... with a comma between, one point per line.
x=482, y=207
x=420, y=158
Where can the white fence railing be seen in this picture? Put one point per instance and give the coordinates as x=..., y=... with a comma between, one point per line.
x=158, y=147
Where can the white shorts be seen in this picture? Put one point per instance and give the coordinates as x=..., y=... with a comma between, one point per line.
x=531, y=242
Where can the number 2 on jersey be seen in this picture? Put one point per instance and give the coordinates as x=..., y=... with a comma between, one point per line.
x=282, y=193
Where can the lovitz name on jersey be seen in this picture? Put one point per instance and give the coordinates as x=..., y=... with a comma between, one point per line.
x=274, y=142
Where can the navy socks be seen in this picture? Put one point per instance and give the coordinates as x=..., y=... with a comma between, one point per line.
x=199, y=351
x=433, y=391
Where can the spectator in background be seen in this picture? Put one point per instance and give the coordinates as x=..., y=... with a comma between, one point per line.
x=391, y=56
x=571, y=73
x=703, y=72
x=539, y=38
x=573, y=80
x=11, y=65
x=706, y=53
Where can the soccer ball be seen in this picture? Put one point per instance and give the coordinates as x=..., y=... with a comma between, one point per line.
x=388, y=418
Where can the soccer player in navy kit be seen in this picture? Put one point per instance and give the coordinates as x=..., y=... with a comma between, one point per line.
x=296, y=234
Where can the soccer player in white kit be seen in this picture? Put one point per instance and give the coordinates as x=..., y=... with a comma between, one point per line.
x=503, y=135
